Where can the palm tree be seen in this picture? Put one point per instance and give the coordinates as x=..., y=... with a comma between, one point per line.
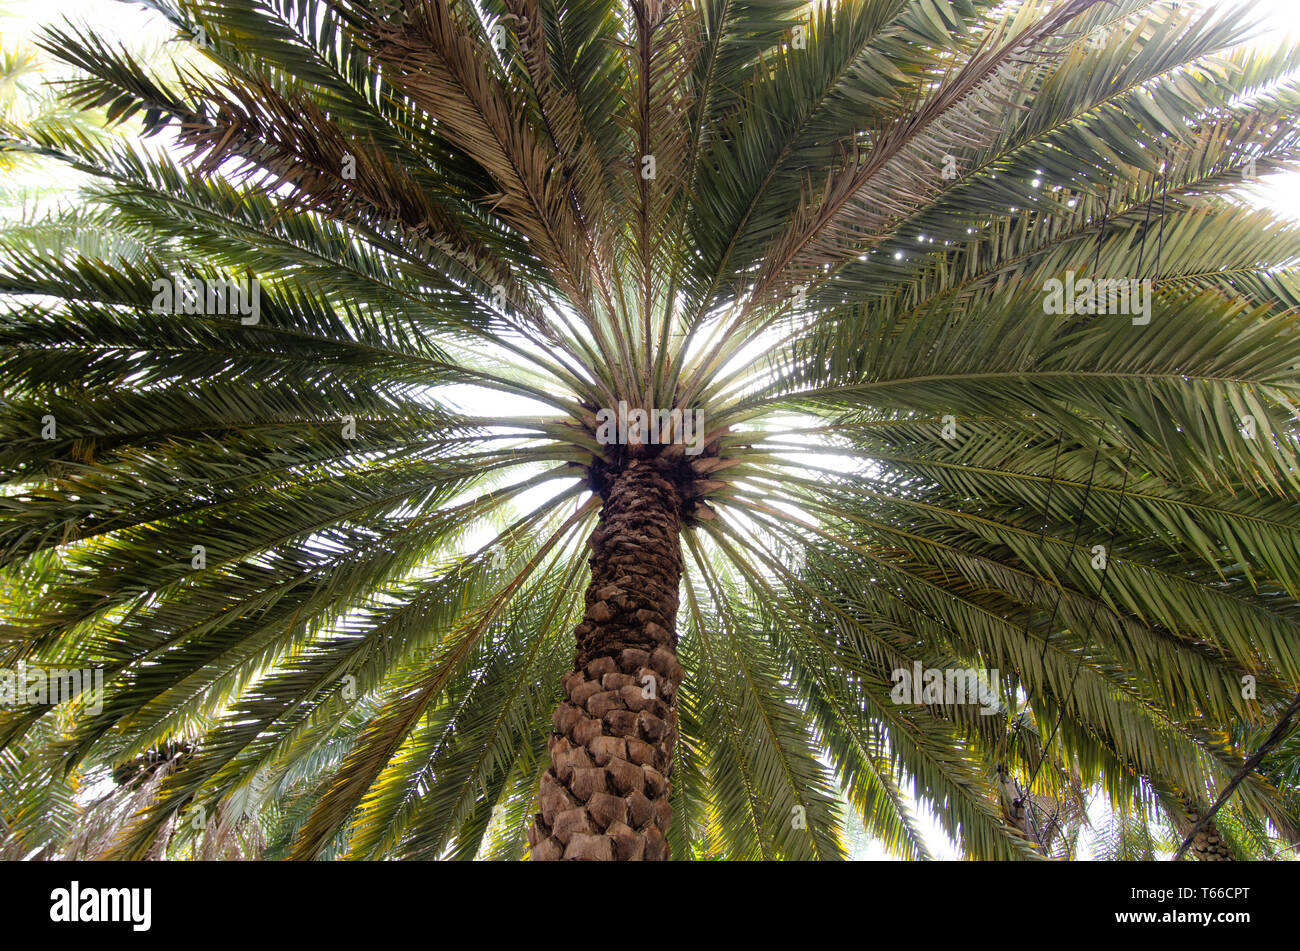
x=336, y=546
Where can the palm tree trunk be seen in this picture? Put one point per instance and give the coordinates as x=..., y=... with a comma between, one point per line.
x=1208, y=845
x=605, y=795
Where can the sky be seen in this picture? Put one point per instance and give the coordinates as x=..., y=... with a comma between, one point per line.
x=20, y=21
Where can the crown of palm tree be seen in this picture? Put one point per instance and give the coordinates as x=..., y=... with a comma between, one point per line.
x=336, y=547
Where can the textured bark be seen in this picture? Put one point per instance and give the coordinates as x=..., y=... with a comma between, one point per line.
x=1208, y=845
x=605, y=795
